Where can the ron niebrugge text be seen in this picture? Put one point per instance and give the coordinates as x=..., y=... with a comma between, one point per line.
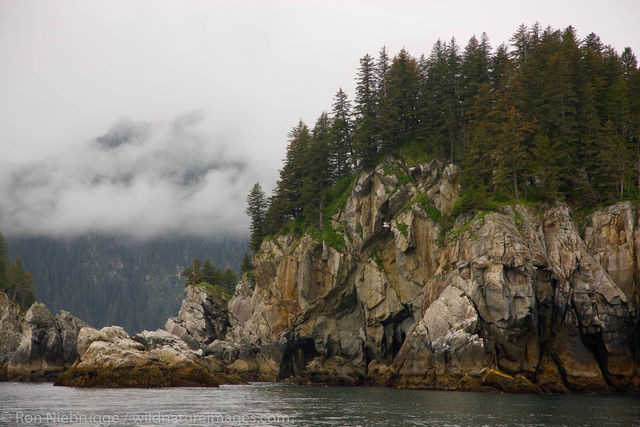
x=158, y=418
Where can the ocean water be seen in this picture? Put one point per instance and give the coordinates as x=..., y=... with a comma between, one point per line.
x=271, y=404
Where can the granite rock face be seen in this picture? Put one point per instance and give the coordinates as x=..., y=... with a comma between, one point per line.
x=345, y=308
x=520, y=292
x=47, y=345
x=523, y=299
x=202, y=318
x=110, y=358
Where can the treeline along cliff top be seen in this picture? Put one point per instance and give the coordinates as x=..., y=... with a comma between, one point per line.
x=551, y=116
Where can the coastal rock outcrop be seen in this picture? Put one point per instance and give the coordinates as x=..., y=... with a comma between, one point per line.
x=202, y=318
x=519, y=292
x=522, y=299
x=111, y=358
x=342, y=307
x=47, y=345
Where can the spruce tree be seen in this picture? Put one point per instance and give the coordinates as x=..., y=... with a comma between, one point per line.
x=247, y=265
x=319, y=173
x=510, y=131
x=399, y=111
x=474, y=74
x=286, y=202
x=193, y=273
x=437, y=105
x=500, y=63
x=341, y=128
x=477, y=159
x=20, y=286
x=256, y=209
x=365, y=130
x=382, y=74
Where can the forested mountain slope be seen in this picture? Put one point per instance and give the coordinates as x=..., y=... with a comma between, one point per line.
x=110, y=280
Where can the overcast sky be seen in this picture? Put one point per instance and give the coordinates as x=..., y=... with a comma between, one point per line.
x=200, y=96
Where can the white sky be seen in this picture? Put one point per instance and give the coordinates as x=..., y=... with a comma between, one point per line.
x=70, y=69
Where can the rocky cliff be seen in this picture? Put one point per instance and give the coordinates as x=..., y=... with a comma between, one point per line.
x=522, y=299
x=36, y=346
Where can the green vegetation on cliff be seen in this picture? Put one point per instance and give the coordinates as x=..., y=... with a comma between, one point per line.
x=206, y=274
x=552, y=116
x=15, y=281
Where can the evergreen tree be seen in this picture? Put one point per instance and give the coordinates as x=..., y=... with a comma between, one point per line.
x=545, y=167
x=382, y=75
x=510, y=131
x=193, y=273
x=500, y=63
x=199, y=272
x=590, y=133
x=521, y=41
x=20, y=286
x=561, y=90
x=342, y=150
x=477, y=160
x=474, y=74
x=15, y=281
x=256, y=209
x=247, y=264
x=289, y=187
x=228, y=280
x=399, y=110
x=319, y=174
x=629, y=63
x=210, y=273
x=437, y=112
x=366, y=109
x=455, y=111
x=612, y=164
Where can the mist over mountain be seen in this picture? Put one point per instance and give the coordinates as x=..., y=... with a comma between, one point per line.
x=138, y=179
x=107, y=227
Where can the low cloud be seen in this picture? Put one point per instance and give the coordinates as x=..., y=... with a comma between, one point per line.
x=138, y=179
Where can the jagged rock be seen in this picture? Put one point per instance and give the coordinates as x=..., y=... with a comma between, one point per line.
x=515, y=300
x=202, y=318
x=110, y=358
x=10, y=328
x=611, y=235
x=47, y=345
x=356, y=304
x=540, y=305
x=69, y=326
x=223, y=350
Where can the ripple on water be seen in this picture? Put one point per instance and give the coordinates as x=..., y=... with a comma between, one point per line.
x=284, y=404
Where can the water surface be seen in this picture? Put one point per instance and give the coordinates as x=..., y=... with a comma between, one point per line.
x=283, y=404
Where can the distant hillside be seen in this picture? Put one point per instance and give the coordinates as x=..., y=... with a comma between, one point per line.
x=111, y=280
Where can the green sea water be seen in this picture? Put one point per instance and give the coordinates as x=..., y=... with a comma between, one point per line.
x=290, y=405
